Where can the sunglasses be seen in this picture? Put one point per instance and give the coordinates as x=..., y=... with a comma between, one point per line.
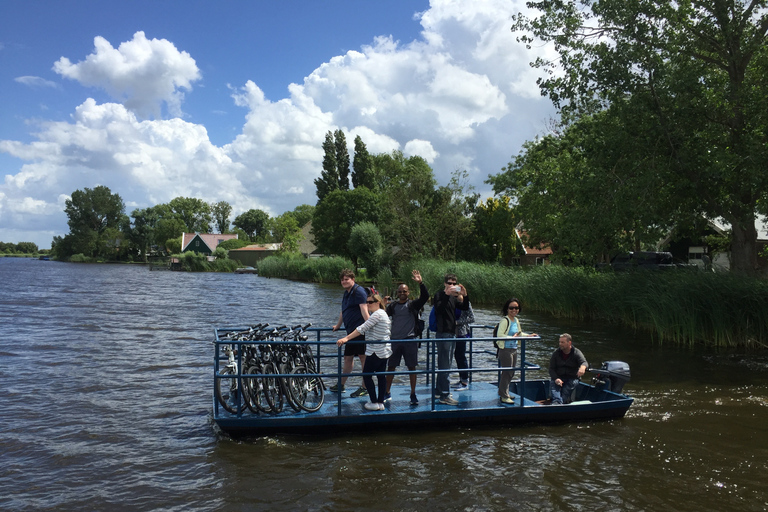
x=452, y=283
x=514, y=307
x=370, y=302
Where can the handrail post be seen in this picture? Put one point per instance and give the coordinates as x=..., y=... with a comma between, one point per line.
x=522, y=372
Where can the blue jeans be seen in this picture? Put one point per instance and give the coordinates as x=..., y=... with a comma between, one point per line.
x=445, y=350
x=562, y=394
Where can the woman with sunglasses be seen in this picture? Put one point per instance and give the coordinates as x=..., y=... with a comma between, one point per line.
x=509, y=326
x=377, y=327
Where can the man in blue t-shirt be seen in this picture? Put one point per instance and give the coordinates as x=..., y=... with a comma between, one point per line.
x=354, y=312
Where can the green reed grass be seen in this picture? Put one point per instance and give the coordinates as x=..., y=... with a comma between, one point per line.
x=317, y=270
x=678, y=306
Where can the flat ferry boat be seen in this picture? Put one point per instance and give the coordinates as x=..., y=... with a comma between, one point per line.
x=280, y=383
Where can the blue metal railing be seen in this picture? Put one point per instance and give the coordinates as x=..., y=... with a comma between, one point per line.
x=430, y=372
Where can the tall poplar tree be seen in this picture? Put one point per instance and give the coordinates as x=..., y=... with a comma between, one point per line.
x=329, y=177
x=342, y=159
x=362, y=166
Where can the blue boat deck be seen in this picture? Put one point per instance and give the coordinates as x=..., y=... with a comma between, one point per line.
x=477, y=405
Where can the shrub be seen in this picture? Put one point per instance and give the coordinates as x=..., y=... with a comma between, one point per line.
x=365, y=245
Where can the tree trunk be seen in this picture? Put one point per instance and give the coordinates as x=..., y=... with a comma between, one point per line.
x=743, y=246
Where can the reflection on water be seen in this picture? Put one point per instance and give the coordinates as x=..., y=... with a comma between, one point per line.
x=106, y=379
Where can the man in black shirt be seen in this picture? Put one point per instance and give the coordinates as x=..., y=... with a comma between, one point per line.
x=566, y=367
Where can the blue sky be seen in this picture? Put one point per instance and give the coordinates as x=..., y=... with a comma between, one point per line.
x=231, y=100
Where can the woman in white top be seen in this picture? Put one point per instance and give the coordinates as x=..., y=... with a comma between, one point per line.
x=377, y=327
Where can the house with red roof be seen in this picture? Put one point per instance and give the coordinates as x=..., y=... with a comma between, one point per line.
x=533, y=255
x=203, y=243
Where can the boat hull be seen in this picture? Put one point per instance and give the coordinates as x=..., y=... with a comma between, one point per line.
x=478, y=406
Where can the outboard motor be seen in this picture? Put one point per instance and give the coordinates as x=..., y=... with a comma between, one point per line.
x=611, y=376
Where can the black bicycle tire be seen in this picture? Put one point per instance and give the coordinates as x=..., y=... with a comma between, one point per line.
x=286, y=384
x=254, y=391
x=224, y=401
x=273, y=391
x=307, y=385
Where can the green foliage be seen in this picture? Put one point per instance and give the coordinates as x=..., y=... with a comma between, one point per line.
x=303, y=214
x=93, y=215
x=335, y=216
x=221, y=212
x=495, y=223
x=295, y=266
x=196, y=262
x=80, y=258
x=342, y=159
x=689, y=81
x=365, y=245
x=20, y=248
x=235, y=243
x=220, y=253
x=194, y=213
x=676, y=306
x=588, y=192
x=329, y=177
x=173, y=245
x=362, y=166
x=255, y=223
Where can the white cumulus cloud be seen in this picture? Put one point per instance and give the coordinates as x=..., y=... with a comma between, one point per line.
x=462, y=96
x=141, y=73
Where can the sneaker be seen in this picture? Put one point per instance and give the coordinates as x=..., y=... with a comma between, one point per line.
x=414, y=399
x=388, y=398
x=507, y=399
x=335, y=388
x=381, y=407
x=361, y=391
x=447, y=400
x=372, y=406
x=460, y=386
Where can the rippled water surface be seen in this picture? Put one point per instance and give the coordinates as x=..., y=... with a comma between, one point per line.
x=105, y=372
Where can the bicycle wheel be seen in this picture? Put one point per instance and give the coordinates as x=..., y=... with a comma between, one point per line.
x=227, y=392
x=254, y=391
x=273, y=391
x=285, y=382
x=307, y=391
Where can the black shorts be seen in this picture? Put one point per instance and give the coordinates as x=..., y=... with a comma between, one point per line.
x=354, y=348
x=408, y=351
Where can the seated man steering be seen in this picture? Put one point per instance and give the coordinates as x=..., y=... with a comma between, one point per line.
x=566, y=366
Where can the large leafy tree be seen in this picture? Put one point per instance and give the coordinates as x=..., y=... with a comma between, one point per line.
x=338, y=213
x=407, y=190
x=144, y=229
x=255, y=223
x=588, y=192
x=93, y=217
x=221, y=212
x=495, y=230
x=193, y=212
x=303, y=214
x=691, y=77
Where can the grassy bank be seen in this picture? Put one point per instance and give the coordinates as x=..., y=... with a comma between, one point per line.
x=316, y=270
x=683, y=307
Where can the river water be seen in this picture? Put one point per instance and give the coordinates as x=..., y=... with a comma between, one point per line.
x=106, y=374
